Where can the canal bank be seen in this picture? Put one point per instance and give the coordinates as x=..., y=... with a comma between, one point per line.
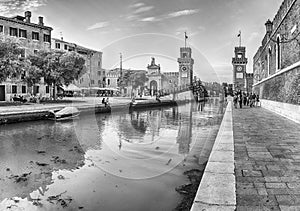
x=217, y=188
x=40, y=112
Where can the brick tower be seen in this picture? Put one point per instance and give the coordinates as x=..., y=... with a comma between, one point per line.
x=185, y=66
x=239, y=63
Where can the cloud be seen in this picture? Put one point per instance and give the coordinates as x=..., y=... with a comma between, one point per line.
x=13, y=7
x=201, y=28
x=190, y=32
x=98, y=25
x=136, y=5
x=143, y=9
x=182, y=13
x=150, y=19
x=253, y=36
x=170, y=15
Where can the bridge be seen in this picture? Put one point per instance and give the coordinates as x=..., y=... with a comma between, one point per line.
x=197, y=89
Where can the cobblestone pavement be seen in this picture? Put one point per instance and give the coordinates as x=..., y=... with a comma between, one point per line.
x=267, y=160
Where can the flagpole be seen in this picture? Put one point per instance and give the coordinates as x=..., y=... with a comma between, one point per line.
x=184, y=39
x=240, y=38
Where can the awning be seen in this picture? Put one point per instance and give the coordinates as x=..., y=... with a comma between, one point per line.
x=70, y=87
x=104, y=89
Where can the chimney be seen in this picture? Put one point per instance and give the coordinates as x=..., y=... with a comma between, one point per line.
x=269, y=27
x=41, y=21
x=27, y=16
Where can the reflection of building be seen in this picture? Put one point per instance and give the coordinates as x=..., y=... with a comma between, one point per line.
x=32, y=37
x=184, y=137
x=95, y=75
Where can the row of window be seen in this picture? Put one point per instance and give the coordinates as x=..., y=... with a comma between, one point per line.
x=99, y=73
x=14, y=89
x=15, y=32
x=268, y=57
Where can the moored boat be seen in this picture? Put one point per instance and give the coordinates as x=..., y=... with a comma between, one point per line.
x=66, y=113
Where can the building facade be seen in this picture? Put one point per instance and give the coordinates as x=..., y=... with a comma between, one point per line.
x=186, y=63
x=276, y=65
x=32, y=37
x=239, y=62
x=95, y=75
x=112, y=78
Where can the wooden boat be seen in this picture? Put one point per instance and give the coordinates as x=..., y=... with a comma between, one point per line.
x=66, y=113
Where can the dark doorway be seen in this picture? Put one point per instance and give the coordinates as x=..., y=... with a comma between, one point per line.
x=2, y=92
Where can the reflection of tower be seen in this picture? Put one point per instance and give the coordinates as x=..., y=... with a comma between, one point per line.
x=185, y=66
x=184, y=137
x=155, y=122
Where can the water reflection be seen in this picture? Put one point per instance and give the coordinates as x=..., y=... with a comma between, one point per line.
x=98, y=151
x=29, y=154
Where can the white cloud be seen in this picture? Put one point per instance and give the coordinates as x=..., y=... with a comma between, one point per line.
x=182, y=13
x=143, y=9
x=150, y=19
x=98, y=25
x=201, y=28
x=253, y=36
x=136, y=5
x=13, y=7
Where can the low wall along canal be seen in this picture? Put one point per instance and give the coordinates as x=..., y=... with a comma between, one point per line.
x=111, y=161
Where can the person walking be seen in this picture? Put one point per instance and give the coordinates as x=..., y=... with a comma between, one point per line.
x=248, y=99
x=235, y=100
x=240, y=97
x=245, y=99
x=257, y=100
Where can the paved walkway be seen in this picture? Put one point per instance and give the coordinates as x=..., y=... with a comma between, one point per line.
x=267, y=160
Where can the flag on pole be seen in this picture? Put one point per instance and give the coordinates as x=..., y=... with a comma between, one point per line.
x=239, y=33
x=185, y=35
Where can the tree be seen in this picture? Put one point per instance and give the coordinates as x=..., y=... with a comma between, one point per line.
x=10, y=63
x=33, y=74
x=59, y=67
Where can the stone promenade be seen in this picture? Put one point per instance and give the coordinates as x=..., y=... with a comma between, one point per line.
x=267, y=160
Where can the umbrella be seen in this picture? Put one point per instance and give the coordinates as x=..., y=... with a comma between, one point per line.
x=71, y=87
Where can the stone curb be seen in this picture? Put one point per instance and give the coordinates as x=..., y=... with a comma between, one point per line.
x=217, y=189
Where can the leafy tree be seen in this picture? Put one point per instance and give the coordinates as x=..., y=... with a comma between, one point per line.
x=133, y=78
x=10, y=63
x=33, y=74
x=59, y=67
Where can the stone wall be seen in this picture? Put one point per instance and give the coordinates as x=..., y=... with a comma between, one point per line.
x=274, y=65
x=284, y=109
x=282, y=88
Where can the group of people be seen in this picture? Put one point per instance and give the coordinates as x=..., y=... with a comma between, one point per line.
x=105, y=101
x=246, y=99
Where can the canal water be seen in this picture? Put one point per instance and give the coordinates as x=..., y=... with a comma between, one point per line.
x=119, y=161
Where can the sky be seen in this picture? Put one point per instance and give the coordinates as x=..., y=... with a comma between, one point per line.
x=141, y=29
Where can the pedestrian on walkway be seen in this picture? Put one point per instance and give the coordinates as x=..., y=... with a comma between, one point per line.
x=257, y=100
x=240, y=99
x=248, y=99
x=244, y=98
x=235, y=100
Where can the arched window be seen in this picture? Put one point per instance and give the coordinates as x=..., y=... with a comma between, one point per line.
x=278, y=53
x=269, y=60
x=108, y=81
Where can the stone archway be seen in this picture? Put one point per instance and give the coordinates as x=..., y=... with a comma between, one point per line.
x=153, y=87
